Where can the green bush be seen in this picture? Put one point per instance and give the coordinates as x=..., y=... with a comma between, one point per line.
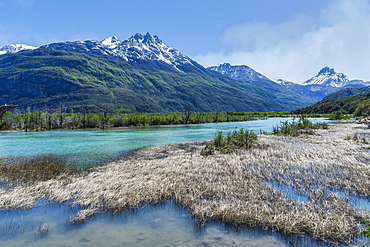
x=363, y=109
x=337, y=115
x=303, y=126
x=238, y=139
x=366, y=233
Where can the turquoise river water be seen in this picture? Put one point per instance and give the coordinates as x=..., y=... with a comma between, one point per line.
x=160, y=225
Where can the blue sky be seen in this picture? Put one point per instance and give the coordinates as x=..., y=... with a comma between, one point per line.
x=289, y=39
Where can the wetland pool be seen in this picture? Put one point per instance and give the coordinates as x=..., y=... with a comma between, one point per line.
x=161, y=225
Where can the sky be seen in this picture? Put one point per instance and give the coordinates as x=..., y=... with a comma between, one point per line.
x=282, y=39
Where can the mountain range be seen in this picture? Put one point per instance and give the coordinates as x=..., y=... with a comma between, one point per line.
x=143, y=74
x=327, y=81
x=140, y=74
x=250, y=76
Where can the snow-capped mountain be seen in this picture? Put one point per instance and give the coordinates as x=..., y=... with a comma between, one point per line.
x=15, y=48
x=111, y=42
x=329, y=77
x=137, y=47
x=324, y=83
x=250, y=76
x=240, y=72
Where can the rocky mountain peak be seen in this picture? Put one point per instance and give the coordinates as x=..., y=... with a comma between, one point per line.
x=225, y=65
x=137, y=47
x=145, y=39
x=240, y=72
x=328, y=77
x=111, y=42
x=327, y=71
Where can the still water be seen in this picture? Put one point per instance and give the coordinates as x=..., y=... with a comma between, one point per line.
x=161, y=225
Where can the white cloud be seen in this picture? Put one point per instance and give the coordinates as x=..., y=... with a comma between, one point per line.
x=297, y=50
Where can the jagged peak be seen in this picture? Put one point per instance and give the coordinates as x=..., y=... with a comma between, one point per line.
x=327, y=71
x=241, y=72
x=111, y=41
x=147, y=38
x=327, y=76
x=225, y=65
x=137, y=47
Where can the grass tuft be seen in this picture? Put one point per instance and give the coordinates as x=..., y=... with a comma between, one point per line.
x=34, y=169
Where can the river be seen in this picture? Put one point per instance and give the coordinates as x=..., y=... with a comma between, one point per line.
x=95, y=146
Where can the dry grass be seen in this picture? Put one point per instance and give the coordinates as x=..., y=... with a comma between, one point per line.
x=25, y=171
x=231, y=187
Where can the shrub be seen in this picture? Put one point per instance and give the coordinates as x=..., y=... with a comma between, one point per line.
x=303, y=126
x=238, y=139
x=366, y=233
x=337, y=115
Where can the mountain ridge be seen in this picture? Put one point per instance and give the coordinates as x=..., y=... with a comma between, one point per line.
x=48, y=79
x=136, y=48
x=250, y=76
x=326, y=82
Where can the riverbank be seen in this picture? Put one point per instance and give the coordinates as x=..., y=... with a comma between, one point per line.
x=235, y=188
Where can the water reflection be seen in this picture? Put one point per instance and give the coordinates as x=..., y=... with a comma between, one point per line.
x=161, y=225
x=288, y=191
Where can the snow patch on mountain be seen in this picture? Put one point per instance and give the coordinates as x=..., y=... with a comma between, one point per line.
x=137, y=47
x=328, y=77
x=241, y=72
x=111, y=42
x=15, y=48
x=283, y=82
x=150, y=47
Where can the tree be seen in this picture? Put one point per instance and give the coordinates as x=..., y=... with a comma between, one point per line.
x=363, y=109
x=5, y=108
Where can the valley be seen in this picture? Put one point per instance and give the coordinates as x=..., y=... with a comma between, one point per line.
x=101, y=89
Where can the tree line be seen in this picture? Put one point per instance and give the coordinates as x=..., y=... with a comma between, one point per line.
x=39, y=120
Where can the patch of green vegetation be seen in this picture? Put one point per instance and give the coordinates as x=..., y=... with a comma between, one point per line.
x=238, y=139
x=284, y=95
x=338, y=115
x=38, y=121
x=347, y=105
x=303, y=126
x=366, y=233
x=363, y=109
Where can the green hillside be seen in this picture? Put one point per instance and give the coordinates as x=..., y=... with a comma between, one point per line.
x=48, y=79
x=283, y=94
x=347, y=104
x=347, y=92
